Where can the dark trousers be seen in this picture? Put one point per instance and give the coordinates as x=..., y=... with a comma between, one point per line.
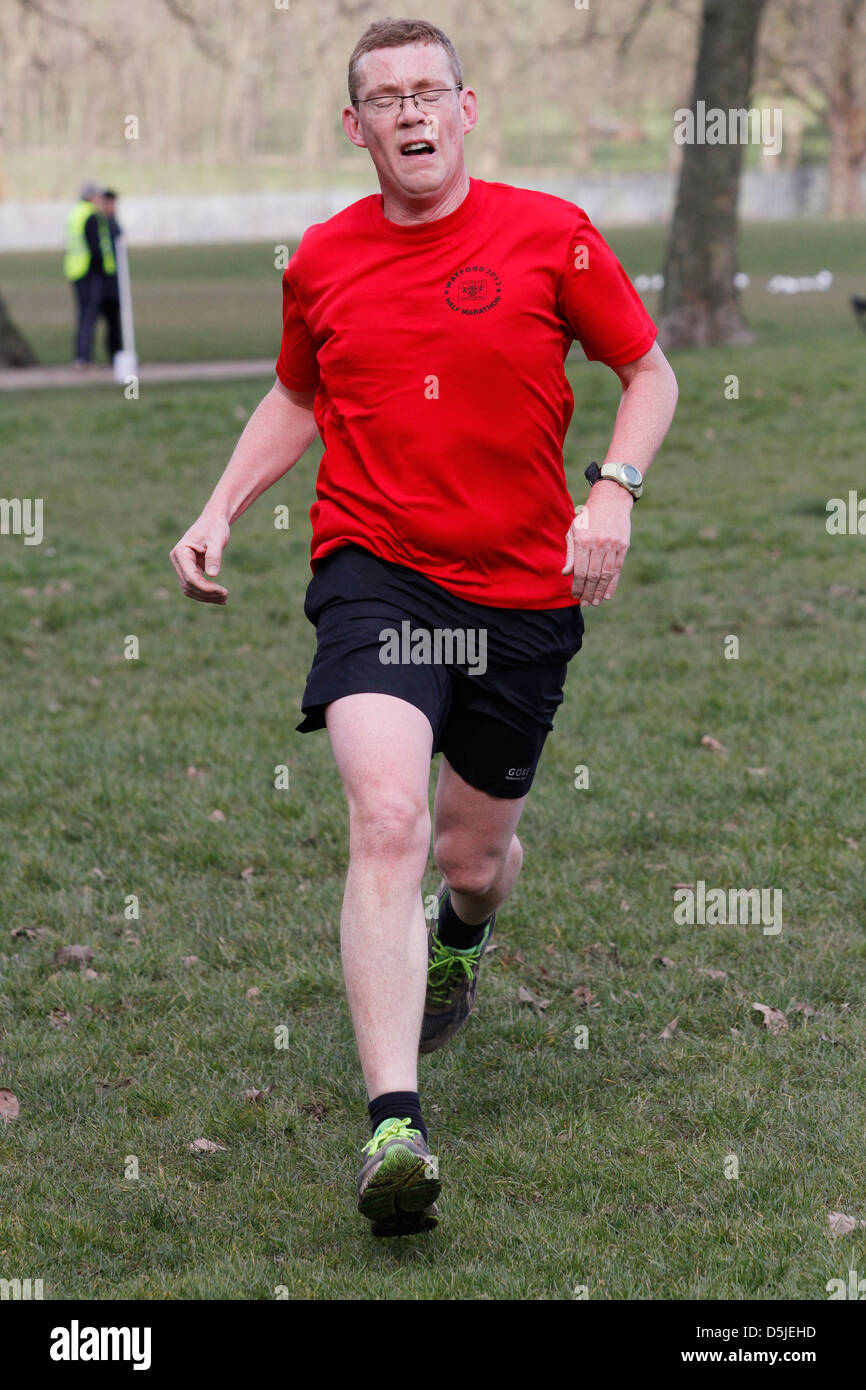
x=109, y=309
x=88, y=295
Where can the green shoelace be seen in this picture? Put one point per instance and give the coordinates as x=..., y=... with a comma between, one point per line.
x=444, y=969
x=391, y=1129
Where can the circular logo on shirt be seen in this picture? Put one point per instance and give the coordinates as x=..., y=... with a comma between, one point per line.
x=473, y=290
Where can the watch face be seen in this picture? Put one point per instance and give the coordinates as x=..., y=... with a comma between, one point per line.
x=631, y=474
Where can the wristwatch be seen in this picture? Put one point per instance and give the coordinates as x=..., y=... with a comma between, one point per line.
x=625, y=474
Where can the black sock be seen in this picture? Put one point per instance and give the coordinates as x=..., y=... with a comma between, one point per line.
x=452, y=931
x=397, y=1105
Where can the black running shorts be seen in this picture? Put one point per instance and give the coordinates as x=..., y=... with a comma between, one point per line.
x=488, y=679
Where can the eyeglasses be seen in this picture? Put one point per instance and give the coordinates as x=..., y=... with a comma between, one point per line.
x=391, y=103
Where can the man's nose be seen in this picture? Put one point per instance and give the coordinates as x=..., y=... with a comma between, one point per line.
x=409, y=112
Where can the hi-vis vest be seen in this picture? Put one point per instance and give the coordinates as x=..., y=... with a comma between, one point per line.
x=76, y=262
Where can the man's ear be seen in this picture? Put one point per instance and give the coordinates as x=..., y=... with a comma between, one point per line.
x=470, y=109
x=352, y=126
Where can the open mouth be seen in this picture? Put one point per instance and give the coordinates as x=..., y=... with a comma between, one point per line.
x=415, y=148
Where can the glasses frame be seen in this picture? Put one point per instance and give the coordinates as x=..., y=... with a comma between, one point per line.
x=395, y=96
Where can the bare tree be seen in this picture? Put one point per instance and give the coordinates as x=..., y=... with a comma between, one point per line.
x=816, y=51
x=700, y=303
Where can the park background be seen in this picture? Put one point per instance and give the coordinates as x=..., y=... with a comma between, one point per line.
x=606, y=1168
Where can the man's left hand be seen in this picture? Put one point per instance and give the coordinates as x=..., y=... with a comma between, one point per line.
x=597, y=542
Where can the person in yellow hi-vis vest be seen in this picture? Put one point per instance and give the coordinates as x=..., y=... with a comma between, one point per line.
x=88, y=261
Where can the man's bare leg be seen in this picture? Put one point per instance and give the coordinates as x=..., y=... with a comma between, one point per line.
x=474, y=845
x=383, y=747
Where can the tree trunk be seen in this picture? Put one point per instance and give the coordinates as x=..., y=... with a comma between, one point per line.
x=15, y=351
x=699, y=302
x=846, y=122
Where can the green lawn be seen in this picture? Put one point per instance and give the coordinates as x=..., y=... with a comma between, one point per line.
x=602, y=1167
x=206, y=302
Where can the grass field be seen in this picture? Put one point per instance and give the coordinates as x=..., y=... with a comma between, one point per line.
x=207, y=302
x=602, y=1167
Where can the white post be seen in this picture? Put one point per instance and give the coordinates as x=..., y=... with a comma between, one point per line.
x=125, y=362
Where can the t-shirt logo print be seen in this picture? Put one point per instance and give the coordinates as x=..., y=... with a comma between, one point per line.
x=473, y=290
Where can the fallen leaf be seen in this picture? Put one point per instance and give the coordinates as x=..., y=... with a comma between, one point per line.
x=595, y=885
x=253, y=992
x=161, y=594
x=729, y=825
x=218, y=816
x=707, y=741
x=708, y=533
x=624, y=906
x=669, y=1029
x=664, y=960
x=837, y=590
x=713, y=974
x=805, y=1009
x=73, y=955
x=59, y=1018
x=31, y=933
x=526, y=996
x=735, y=1032
x=205, y=1146
x=841, y=1224
x=774, y=1019
x=95, y=682
x=98, y=873
x=548, y=950
x=687, y=628
x=195, y=772
x=757, y=771
x=247, y=873
x=846, y=839
x=189, y=960
x=89, y=974
x=130, y=939
x=584, y=998
x=682, y=885
x=8, y=1105
x=113, y=1085
x=256, y=1097
x=493, y=946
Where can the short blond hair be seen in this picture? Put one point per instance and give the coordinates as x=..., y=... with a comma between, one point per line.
x=394, y=33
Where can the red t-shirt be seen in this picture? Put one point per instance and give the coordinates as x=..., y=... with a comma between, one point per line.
x=437, y=354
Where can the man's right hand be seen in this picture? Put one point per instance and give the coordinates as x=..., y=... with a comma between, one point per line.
x=197, y=556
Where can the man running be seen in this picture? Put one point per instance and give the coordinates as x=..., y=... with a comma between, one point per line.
x=424, y=335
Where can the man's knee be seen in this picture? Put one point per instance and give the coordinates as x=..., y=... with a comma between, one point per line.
x=388, y=825
x=472, y=872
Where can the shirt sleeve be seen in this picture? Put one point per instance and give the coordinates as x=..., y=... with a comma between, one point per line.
x=599, y=302
x=297, y=367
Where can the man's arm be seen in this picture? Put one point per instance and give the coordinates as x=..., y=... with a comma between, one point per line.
x=279, y=431
x=599, y=536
